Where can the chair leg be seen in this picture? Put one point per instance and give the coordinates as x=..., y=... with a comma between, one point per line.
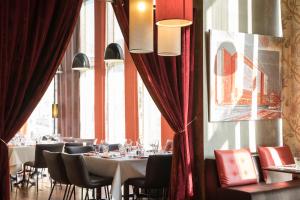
x=72, y=193
x=99, y=193
x=105, y=191
x=107, y=195
x=86, y=194
x=65, y=192
x=68, y=192
x=52, y=190
x=37, y=181
x=126, y=191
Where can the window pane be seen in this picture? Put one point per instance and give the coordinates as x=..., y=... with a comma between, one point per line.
x=87, y=28
x=40, y=121
x=87, y=43
x=115, y=104
x=87, y=128
x=114, y=85
x=149, y=117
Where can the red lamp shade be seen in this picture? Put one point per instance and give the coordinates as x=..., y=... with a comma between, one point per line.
x=174, y=13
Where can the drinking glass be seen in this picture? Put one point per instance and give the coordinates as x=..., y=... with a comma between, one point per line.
x=98, y=149
x=105, y=149
x=122, y=150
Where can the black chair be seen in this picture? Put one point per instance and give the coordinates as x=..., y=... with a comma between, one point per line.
x=68, y=144
x=57, y=171
x=72, y=144
x=78, y=149
x=157, y=178
x=39, y=161
x=113, y=147
x=89, y=142
x=79, y=176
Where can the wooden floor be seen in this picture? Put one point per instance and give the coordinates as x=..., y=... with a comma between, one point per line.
x=30, y=193
x=24, y=193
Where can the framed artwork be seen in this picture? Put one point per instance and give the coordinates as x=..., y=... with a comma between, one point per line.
x=244, y=76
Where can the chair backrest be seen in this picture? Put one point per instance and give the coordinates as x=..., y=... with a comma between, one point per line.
x=72, y=144
x=67, y=144
x=39, y=161
x=67, y=139
x=86, y=141
x=56, y=167
x=158, y=171
x=113, y=147
x=78, y=149
x=76, y=169
x=212, y=183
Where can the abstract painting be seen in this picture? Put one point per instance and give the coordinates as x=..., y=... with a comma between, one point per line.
x=244, y=76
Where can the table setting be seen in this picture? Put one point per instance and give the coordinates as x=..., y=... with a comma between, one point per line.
x=128, y=162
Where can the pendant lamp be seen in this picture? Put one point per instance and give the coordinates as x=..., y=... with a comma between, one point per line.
x=168, y=41
x=113, y=53
x=141, y=26
x=175, y=13
x=81, y=62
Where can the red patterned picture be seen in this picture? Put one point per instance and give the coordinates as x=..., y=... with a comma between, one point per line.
x=245, y=80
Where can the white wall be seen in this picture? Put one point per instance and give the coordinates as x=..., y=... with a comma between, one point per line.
x=249, y=16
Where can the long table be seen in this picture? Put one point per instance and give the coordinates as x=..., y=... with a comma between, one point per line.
x=120, y=169
x=18, y=155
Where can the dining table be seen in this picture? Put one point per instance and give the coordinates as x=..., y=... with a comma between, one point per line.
x=18, y=155
x=282, y=173
x=120, y=168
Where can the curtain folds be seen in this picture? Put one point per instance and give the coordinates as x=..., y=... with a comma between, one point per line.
x=170, y=81
x=33, y=37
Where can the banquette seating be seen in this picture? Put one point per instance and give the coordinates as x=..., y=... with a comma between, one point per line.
x=253, y=190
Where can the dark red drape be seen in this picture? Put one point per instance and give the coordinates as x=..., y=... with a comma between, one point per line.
x=170, y=81
x=33, y=37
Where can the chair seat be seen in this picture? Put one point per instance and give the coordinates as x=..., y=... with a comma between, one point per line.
x=136, y=182
x=98, y=181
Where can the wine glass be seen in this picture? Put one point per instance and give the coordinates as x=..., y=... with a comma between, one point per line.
x=122, y=150
x=105, y=148
x=156, y=145
x=128, y=145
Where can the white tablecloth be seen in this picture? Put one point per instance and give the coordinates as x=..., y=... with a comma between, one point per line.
x=120, y=169
x=18, y=155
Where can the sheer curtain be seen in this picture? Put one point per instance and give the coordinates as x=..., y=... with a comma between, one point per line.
x=149, y=117
x=87, y=44
x=40, y=121
x=115, y=103
x=115, y=85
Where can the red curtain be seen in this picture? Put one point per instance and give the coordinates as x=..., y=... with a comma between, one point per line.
x=170, y=81
x=33, y=37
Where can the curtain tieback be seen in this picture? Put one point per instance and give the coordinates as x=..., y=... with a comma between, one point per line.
x=3, y=141
x=188, y=124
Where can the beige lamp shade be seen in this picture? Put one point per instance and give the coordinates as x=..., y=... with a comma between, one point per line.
x=54, y=110
x=141, y=26
x=168, y=41
x=175, y=13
